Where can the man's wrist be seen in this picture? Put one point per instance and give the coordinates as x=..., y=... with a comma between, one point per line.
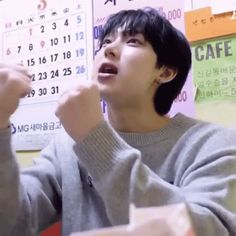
x=4, y=124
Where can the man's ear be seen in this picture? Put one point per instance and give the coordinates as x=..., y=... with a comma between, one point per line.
x=166, y=74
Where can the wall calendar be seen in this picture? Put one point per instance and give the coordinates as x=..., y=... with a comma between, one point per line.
x=54, y=40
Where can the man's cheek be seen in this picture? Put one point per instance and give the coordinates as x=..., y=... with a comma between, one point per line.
x=94, y=73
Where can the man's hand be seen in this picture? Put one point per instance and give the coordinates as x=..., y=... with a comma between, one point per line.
x=14, y=84
x=79, y=109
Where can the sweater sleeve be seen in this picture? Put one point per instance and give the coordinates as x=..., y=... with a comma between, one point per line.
x=8, y=177
x=207, y=185
x=30, y=201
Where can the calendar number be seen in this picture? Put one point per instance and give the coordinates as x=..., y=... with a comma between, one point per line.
x=8, y=51
x=66, y=23
x=66, y=39
x=54, y=90
x=33, y=77
x=80, y=52
x=54, y=41
x=19, y=49
x=79, y=19
x=40, y=92
x=67, y=71
x=80, y=69
x=42, y=76
x=42, y=5
x=50, y=74
x=66, y=55
x=80, y=36
x=54, y=25
x=42, y=60
x=31, y=94
x=54, y=74
x=31, y=47
x=54, y=57
x=31, y=62
x=42, y=28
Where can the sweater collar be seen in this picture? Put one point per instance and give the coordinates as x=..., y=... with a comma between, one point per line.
x=178, y=122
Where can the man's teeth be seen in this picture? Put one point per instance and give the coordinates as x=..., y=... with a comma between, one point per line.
x=109, y=70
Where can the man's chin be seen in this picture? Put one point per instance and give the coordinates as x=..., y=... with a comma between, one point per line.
x=106, y=94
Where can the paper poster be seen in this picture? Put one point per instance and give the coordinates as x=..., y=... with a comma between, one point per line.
x=220, y=6
x=201, y=24
x=54, y=40
x=171, y=220
x=215, y=70
x=200, y=3
x=173, y=11
x=215, y=79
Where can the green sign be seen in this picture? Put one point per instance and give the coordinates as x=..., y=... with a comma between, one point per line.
x=214, y=69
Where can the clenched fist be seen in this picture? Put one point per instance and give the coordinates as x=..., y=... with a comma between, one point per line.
x=79, y=109
x=14, y=84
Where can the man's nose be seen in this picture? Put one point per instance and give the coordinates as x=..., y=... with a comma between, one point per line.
x=112, y=50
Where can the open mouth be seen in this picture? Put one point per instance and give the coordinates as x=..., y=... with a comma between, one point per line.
x=107, y=68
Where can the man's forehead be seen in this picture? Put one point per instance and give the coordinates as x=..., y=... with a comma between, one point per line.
x=125, y=30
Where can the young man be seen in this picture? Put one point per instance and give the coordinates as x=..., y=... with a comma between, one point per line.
x=88, y=176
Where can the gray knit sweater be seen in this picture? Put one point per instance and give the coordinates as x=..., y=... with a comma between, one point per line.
x=90, y=184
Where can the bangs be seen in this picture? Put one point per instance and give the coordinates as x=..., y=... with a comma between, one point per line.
x=130, y=21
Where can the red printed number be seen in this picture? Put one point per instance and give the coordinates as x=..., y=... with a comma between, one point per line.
x=42, y=5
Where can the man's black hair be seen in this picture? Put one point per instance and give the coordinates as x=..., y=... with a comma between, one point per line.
x=169, y=44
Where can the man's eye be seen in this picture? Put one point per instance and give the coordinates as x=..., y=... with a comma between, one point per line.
x=105, y=42
x=134, y=41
